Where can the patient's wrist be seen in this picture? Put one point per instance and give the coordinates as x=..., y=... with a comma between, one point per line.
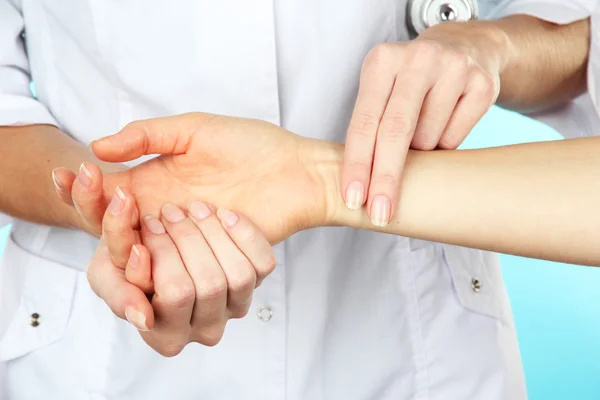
x=421, y=169
x=325, y=164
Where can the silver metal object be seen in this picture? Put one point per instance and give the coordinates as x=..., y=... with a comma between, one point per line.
x=422, y=14
x=265, y=313
x=476, y=285
x=35, y=320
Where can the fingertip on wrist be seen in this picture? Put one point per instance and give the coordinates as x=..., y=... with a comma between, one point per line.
x=355, y=195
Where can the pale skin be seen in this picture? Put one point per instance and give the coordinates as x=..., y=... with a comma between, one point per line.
x=516, y=199
x=509, y=49
x=430, y=92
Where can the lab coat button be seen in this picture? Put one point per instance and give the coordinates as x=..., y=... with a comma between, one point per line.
x=265, y=313
x=34, y=320
x=476, y=285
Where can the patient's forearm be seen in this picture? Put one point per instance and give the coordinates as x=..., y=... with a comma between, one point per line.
x=537, y=200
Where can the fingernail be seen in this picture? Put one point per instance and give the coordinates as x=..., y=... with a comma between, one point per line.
x=199, y=210
x=56, y=181
x=355, y=195
x=117, y=202
x=227, y=217
x=136, y=319
x=380, y=211
x=172, y=213
x=134, y=257
x=154, y=225
x=84, y=176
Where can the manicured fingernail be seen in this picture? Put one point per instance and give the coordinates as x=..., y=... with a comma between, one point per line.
x=117, y=202
x=199, y=210
x=134, y=257
x=380, y=211
x=84, y=176
x=154, y=225
x=56, y=181
x=136, y=319
x=227, y=217
x=172, y=213
x=355, y=195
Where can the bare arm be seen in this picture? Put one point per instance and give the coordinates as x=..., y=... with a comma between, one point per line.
x=548, y=62
x=537, y=200
x=541, y=63
x=28, y=155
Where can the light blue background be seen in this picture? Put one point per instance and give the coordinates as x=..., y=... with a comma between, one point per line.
x=556, y=306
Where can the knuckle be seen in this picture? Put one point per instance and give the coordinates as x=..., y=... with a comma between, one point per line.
x=385, y=179
x=456, y=61
x=482, y=84
x=178, y=293
x=364, y=124
x=169, y=350
x=450, y=142
x=248, y=235
x=425, y=51
x=421, y=142
x=238, y=312
x=243, y=280
x=135, y=125
x=378, y=56
x=211, y=289
x=268, y=266
x=210, y=337
x=397, y=126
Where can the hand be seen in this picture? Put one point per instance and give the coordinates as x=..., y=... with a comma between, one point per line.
x=265, y=172
x=423, y=94
x=247, y=165
x=85, y=192
x=204, y=269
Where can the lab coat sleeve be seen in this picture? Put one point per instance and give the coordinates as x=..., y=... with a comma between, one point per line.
x=17, y=104
x=577, y=118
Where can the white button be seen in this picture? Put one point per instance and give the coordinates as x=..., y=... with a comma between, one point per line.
x=476, y=285
x=265, y=313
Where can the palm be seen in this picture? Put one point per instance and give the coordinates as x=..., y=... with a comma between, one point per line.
x=247, y=165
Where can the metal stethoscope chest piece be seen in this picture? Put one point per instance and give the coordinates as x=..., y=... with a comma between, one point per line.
x=422, y=14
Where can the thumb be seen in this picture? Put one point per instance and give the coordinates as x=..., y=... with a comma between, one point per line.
x=166, y=135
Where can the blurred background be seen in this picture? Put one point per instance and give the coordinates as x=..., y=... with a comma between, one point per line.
x=556, y=306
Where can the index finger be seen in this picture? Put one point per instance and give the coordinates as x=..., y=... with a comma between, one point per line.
x=395, y=134
x=376, y=82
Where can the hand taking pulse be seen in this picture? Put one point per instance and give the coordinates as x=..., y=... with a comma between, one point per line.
x=423, y=94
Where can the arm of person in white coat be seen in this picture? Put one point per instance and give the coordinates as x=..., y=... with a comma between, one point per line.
x=31, y=144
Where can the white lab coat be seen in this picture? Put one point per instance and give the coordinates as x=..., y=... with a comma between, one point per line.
x=355, y=314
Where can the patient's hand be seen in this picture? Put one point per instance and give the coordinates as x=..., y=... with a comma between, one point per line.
x=255, y=167
x=247, y=165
